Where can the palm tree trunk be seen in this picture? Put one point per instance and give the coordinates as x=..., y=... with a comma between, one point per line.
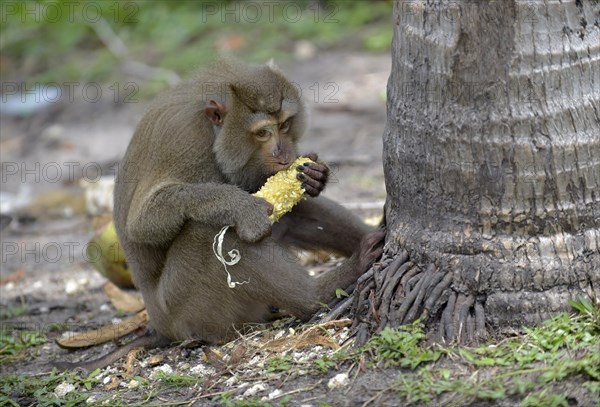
x=492, y=166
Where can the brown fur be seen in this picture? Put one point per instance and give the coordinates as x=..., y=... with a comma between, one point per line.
x=190, y=169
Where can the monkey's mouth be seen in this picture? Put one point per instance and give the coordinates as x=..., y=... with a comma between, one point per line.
x=280, y=166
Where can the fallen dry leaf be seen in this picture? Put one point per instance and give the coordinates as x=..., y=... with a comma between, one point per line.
x=236, y=356
x=13, y=277
x=105, y=333
x=114, y=383
x=123, y=300
x=315, y=335
x=131, y=358
x=214, y=358
x=155, y=360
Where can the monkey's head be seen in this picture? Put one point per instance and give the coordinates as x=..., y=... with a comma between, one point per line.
x=257, y=124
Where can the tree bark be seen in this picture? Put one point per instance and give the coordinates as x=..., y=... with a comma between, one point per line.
x=492, y=166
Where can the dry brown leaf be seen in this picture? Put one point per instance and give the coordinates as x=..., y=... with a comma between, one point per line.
x=123, y=300
x=315, y=335
x=155, y=360
x=105, y=333
x=131, y=358
x=213, y=358
x=114, y=383
x=14, y=276
x=236, y=356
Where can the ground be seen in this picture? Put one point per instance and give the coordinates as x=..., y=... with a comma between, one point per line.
x=48, y=286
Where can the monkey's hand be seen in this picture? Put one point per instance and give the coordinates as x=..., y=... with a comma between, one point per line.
x=313, y=175
x=253, y=223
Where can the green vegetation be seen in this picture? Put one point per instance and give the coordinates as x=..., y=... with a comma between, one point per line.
x=12, y=342
x=55, y=42
x=226, y=399
x=279, y=364
x=400, y=347
x=534, y=369
x=18, y=390
x=177, y=380
x=530, y=366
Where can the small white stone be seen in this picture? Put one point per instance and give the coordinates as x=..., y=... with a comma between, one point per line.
x=251, y=392
x=163, y=368
x=71, y=287
x=9, y=286
x=44, y=310
x=105, y=308
x=106, y=380
x=202, y=370
x=132, y=384
x=91, y=400
x=254, y=360
x=116, y=321
x=343, y=335
x=63, y=389
x=339, y=380
x=274, y=394
x=37, y=285
x=233, y=380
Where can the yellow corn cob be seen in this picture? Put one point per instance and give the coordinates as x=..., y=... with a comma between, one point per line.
x=283, y=190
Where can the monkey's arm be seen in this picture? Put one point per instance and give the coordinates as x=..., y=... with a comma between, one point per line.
x=157, y=215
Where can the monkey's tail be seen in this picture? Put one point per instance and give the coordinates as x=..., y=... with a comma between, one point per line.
x=150, y=340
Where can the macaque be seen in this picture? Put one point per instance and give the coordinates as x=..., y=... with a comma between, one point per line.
x=195, y=159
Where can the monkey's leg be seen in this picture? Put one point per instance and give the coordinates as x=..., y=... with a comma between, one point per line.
x=192, y=298
x=320, y=223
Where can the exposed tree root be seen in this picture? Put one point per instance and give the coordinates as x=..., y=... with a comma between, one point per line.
x=397, y=291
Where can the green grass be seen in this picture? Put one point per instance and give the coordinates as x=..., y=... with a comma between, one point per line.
x=529, y=368
x=177, y=380
x=16, y=390
x=13, y=342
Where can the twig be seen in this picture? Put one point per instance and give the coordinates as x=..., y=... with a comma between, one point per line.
x=376, y=396
x=117, y=47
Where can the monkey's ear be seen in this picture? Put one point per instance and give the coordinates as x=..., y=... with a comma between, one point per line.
x=215, y=112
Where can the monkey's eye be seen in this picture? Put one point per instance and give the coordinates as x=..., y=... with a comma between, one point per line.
x=263, y=135
x=285, y=126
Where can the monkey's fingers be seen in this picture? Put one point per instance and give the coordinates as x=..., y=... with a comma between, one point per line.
x=316, y=171
x=312, y=186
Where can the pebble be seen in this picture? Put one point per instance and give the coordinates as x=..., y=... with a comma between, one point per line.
x=274, y=394
x=251, y=392
x=202, y=370
x=163, y=368
x=337, y=381
x=63, y=389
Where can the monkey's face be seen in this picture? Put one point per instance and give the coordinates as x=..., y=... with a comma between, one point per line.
x=259, y=129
